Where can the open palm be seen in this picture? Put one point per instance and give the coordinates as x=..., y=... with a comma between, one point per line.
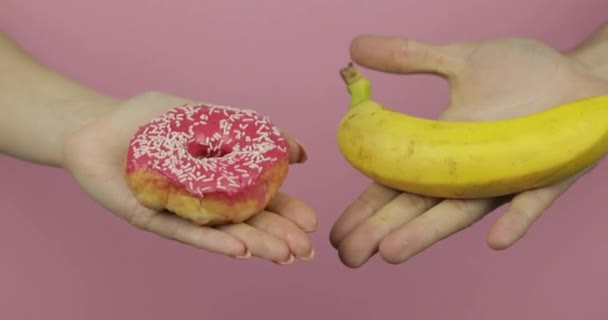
x=95, y=156
x=488, y=80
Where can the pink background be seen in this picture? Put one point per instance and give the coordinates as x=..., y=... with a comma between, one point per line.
x=62, y=257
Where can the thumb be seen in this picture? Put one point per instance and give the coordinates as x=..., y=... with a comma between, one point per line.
x=403, y=55
x=297, y=154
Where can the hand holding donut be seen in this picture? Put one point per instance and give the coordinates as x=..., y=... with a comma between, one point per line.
x=204, y=175
x=200, y=174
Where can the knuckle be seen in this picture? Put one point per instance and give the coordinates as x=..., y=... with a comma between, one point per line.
x=462, y=206
x=419, y=202
x=526, y=216
x=365, y=203
x=140, y=221
x=542, y=197
x=404, y=46
x=401, y=53
x=437, y=233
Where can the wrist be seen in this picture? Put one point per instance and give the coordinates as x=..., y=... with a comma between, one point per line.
x=75, y=115
x=39, y=134
x=592, y=52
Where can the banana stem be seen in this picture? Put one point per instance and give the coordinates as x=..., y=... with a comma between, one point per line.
x=357, y=85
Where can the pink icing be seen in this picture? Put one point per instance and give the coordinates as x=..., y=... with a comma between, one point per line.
x=208, y=148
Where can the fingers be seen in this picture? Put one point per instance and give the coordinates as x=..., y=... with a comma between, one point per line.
x=370, y=201
x=175, y=228
x=267, y=235
x=402, y=55
x=279, y=233
x=362, y=243
x=524, y=210
x=287, y=231
x=279, y=237
x=261, y=244
x=297, y=211
x=297, y=153
x=288, y=219
x=439, y=222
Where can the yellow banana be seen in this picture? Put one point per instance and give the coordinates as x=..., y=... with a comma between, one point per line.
x=469, y=159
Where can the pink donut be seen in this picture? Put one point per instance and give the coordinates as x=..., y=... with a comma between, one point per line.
x=207, y=163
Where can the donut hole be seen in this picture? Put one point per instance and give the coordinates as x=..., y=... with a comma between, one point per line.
x=200, y=150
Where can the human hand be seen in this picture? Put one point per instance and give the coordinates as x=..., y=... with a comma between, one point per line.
x=95, y=156
x=488, y=80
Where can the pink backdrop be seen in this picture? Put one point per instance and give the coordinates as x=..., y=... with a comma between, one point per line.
x=62, y=257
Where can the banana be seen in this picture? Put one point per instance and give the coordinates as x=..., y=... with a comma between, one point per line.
x=455, y=159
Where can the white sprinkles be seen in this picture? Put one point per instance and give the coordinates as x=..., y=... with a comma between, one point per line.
x=239, y=144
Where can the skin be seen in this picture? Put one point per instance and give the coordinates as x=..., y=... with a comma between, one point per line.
x=491, y=79
x=52, y=120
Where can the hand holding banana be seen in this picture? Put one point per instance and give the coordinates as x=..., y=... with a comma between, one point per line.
x=456, y=159
x=524, y=122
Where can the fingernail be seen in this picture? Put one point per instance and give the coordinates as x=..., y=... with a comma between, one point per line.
x=246, y=255
x=309, y=256
x=303, y=155
x=290, y=260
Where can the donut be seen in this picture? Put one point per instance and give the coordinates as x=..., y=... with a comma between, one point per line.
x=210, y=164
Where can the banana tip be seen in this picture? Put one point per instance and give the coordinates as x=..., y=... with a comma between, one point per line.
x=350, y=73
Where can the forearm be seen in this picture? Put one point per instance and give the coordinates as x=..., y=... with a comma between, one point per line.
x=40, y=107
